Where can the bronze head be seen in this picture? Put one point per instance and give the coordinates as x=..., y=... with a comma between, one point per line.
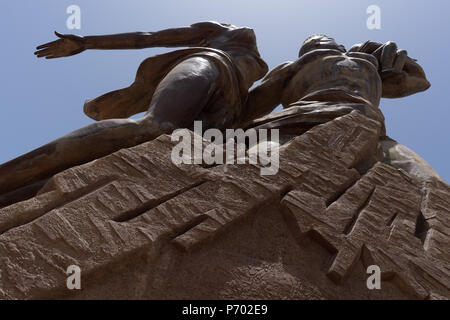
x=319, y=41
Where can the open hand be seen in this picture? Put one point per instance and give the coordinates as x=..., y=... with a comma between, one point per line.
x=67, y=45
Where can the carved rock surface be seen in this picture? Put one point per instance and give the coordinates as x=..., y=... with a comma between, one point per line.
x=140, y=227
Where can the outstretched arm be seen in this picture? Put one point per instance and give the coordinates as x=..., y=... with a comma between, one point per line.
x=194, y=35
x=401, y=75
x=266, y=96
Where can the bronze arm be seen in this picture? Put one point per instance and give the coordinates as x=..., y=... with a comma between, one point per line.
x=266, y=96
x=194, y=35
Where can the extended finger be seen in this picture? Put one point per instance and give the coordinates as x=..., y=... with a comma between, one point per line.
x=43, y=51
x=46, y=45
x=43, y=55
x=388, y=56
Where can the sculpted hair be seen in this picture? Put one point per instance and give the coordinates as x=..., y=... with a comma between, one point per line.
x=314, y=36
x=305, y=46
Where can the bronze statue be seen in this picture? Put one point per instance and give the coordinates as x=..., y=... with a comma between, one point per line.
x=208, y=81
x=325, y=72
x=326, y=82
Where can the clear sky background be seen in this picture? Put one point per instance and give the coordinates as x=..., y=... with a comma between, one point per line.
x=42, y=100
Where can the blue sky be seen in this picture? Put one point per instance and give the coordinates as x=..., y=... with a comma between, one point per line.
x=42, y=100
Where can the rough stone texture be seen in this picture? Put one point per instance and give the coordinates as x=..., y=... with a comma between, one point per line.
x=141, y=227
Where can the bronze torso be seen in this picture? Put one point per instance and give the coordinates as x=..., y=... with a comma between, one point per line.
x=330, y=75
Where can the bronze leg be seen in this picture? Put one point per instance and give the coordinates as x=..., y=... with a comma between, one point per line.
x=177, y=101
